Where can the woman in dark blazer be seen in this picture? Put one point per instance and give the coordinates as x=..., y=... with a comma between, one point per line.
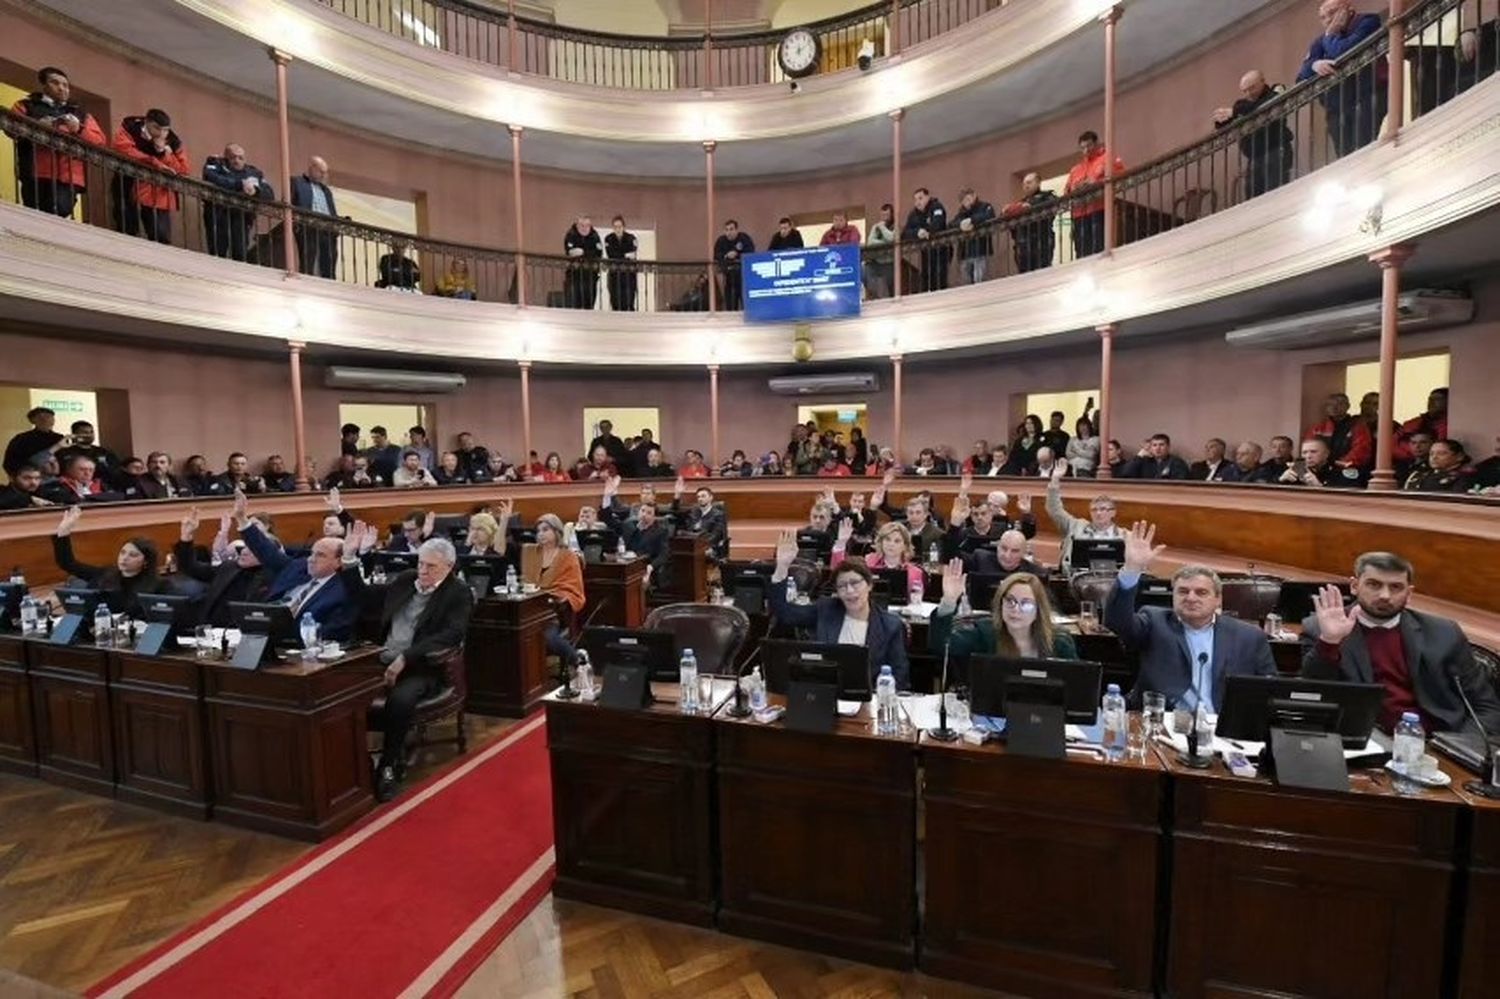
x=1019, y=625
x=849, y=617
x=134, y=572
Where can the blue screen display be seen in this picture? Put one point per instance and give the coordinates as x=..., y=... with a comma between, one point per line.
x=821, y=282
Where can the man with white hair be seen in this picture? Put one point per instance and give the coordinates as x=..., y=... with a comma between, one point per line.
x=1100, y=523
x=1270, y=150
x=424, y=614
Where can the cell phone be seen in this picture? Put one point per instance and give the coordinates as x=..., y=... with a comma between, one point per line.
x=1300, y=467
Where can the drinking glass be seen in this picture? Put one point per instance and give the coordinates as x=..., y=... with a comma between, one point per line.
x=1206, y=723
x=1137, y=735
x=705, y=693
x=1088, y=617
x=1154, y=710
x=203, y=641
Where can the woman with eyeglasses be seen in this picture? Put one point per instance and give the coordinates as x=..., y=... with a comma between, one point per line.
x=1019, y=626
x=846, y=618
x=892, y=550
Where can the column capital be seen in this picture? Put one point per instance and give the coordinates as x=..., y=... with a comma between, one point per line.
x=713, y=369
x=279, y=57
x=709, y=145
x=1107, y=330
x=896, y=114
x=515, y=130
x=296, y=346
x=1112, y=15
x=524, y=364
x=1393, y=256
x=896, y=359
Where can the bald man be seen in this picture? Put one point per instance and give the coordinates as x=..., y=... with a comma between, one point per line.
x=228, y=228
x=1270, y=150
x=1008, y=556
x=1354, y=107
x=1033, y=241
x=309, y=586
x=317, y=246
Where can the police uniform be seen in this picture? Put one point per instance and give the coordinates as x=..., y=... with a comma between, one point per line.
x=1430, y=480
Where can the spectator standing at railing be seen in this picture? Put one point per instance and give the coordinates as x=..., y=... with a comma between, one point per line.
x=786, y=236
x=1034, y=240
x=880, y=264
x=621, y=247
x=581, y=280
x=52, y=181
x=1354, y=106
x=1087, y=178
x=149, y=141
x=926, y=220
x=728, y=251
x=317, y=246
x=1478, y=42
x=1270, y=150
x=229, y=230
x=974, y=217
x=840, y=232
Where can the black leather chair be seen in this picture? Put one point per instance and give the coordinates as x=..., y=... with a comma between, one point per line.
x=1489, y=661
x=714, y=632
x=447, y=702
x=1251, y=598
x=808, y=576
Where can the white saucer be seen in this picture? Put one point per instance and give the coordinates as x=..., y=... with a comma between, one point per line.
x=1436, y=779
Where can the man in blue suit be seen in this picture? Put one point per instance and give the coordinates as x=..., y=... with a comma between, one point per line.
x=308, y=585
x=317, y=246
x=1185, y=652
x=849, y=618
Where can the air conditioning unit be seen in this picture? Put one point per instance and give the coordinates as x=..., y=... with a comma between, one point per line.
x=1419, y=310
x=392, y=381
x=852, y=381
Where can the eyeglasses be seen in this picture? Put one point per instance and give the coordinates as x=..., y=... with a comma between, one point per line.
x=849, y=585
x=1019, y=603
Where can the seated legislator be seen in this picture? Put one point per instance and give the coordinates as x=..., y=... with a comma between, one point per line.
x=892, y=551
x=484, y=530
x=1417, y=657
x=705, y=517
x=239, y=578
x=416, y=527
x=558, y=572
x=134, y=571
x=1185, y=652
x=24, y=490
x=924, y=529
x=1099, y=524
x=309, y=585
x=849, y=618
x=1007, y=556
x=424, y=613
x=645, y=536
x=1019, y=625
x=859, y=514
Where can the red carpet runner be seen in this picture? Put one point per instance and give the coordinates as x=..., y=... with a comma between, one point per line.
x=407, y=903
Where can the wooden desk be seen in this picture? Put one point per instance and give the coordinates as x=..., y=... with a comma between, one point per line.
x=289, y=753
x=161, y=739
x=688, y=560
x=818, y=839
x=70, y=703
x=17, y=734
x=505, y=655
x=1479, y=973
x=632, y=803
x=1305, y=893
x=616, y=591
x=1042, y=875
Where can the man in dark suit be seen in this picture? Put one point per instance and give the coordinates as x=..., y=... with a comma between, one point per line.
x=309, y=585
x=641, y=531
x=613, y=446
x=241, y=578
x=705, y=516
x=424, y=614
x=317, y=246
x=1186, y=652
x=1155, y=460
x=847, y=618
x=1213, y=467
x=1419, y=658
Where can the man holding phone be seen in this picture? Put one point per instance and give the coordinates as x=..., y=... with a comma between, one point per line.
x=1316, y=468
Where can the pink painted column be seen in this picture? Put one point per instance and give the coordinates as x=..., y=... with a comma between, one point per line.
x=1110, y=18
x=896, y=201
x=299, y=431
x=526, y=414
x=713, y=415
x=1389, y=261
x=515, y=182
x=284, y=135
x=896, y=406
x=709, y=145
x=1395, y=115
x=1106, y=377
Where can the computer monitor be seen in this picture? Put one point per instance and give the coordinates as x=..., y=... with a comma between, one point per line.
x=262, y=628
x=788, y=660
x=982, y=587
x=991, y=676
x=1296, y=601
x=490, y=566
x=391, y=562
x=1253, y=704
x=167, y=615
x=655, y=650
x=445, y=524
x=78, y=606
x=1098, y=553
x=891, y=586
x=522, y=535
x=595, y=542
x=10, y=605
x=748, y=584
x=458, y=534
x=816, y=544
x=972, y=543
x=1153, y=591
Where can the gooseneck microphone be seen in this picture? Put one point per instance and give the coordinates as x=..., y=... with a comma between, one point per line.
x=565, y=668
x=1191, y=758
x=943, y=733
x=739, y=708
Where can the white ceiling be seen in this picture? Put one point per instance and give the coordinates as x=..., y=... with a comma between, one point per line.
x=1154, y=31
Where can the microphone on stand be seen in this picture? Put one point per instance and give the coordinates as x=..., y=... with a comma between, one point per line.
x=943, y=733
x=566, y=691
x=1485, y=786
x=740, y=707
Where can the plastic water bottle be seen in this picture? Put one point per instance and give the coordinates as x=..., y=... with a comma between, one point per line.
x=377, y=574
x=31, y=612
x=1410, y=742
x=620, y=547
x=583, y=677
x=934, y=555
x=1115, y=722
x=757, y=685
x=308, y=627
x=1030, y=550
x=791, y=590
x=512, y=581
x=104, y=626
x=17, y=577
x=687, y=675
x=885, y=702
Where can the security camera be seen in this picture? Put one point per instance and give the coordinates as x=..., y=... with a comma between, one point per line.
x=796, y=87
x=866, y=54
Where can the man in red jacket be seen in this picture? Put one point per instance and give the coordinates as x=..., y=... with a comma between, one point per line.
x=1347, y=436
x=1434, y=421
x=1087, y=177
x=149, y=141
x=49, y=179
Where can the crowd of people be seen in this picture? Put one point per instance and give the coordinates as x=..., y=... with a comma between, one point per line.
x=46, y=467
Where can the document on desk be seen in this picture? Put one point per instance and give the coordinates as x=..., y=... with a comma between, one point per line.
x=922, y=709
x=1250, y=747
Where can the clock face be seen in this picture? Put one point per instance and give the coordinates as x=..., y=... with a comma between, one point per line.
x=798, y=52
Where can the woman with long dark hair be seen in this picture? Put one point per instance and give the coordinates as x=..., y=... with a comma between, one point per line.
x=1019, y=626
x=134, y=571
x=1023, y=451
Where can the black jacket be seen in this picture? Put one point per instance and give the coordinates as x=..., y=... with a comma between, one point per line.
x=1269, y=139
x=26, y=445
x=1199, y=471
x=741, y=244
x=302, y=187
x=227, y=583
x=981, y=243
x=791, y=241
x=1170, y=467
x=444, y=622
x=616, y=247
x=220, y=174
x=120, y=591
x=591, y=245
x=12, y=498
x=615, y=448
x=933, y=218
x=713, y=522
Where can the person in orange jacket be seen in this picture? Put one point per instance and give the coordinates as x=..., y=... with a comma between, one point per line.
x=149, y=141
x=51, y=180
x=1088, y=176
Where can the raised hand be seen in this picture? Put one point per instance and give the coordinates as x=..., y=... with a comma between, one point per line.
x=960, y=510
x=786, y=550
x=1335, y=623
x=846, y=531
x=1140, y=548
x=190, y=524
x=428, y=523
x=241, y=509
x=965, y=481
x=679, y=487
x=887, y=479
x=954, y=582
x=507, y=511
x=877, y=498
x=335, y=505
x=1023, y=503
x=225, y=522
x=69, y=521
x=1059, y=469
x=611, y=487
